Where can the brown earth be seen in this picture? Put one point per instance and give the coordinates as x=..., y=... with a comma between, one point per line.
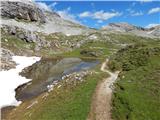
x=101, y=103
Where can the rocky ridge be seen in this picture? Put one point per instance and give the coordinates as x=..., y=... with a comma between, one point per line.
x=123, y=27
x=25, y=35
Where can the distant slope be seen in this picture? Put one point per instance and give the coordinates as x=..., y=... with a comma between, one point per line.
x=128, y=28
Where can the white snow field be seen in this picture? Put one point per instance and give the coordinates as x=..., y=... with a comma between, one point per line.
x=10, y=80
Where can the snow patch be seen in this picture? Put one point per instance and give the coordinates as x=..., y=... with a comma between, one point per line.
x=10, y=80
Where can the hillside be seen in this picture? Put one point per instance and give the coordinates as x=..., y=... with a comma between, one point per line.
x=136, y=94
x=69, y=71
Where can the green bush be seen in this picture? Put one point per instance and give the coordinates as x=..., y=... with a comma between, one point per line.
x=132, y=57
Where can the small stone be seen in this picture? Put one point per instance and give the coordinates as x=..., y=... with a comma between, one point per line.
x=59, y=86
x=5, y=40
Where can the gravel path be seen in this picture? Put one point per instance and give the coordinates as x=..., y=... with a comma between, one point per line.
x=101, y=104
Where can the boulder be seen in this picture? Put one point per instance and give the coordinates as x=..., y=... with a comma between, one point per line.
x=6, y=59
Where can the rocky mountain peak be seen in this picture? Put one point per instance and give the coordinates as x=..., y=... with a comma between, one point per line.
x=23, y=10
x=155, y=27
x=154, y=30
x=122, y=26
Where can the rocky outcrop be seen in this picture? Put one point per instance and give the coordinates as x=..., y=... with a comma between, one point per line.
x=155, y=31
x=25, y=35
x=21, y=10
x=6, y=59
x=29, y=16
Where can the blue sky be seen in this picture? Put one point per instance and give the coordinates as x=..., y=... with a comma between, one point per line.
x=96, y=14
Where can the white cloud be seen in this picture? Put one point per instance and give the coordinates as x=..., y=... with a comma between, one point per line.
x=46, y=7
x=100, y=15
x=85, y=14
x=130, y=10
x=137, y=13
x=144, y=1
x=152, y=25
x=133, y=12
x=154, y=10
x=100, y=21
x=53, y=4
x=43, y=6
x=65, y=14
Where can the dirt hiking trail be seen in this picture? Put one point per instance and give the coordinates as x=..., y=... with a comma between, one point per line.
x=101, y=102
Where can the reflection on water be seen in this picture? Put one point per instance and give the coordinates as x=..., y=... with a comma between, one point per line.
x=46, y=71
x=81, y=66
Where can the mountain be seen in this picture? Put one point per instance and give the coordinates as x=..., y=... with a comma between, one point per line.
x=64, y=80
x=128, y=28
x=125, y=27
x=28, y=30
x=21, y=11
x=155, y=30
x=29, y=16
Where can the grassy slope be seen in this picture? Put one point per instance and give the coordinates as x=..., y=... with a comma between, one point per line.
x=16, y=45
x=71, y=104
x=102, y=48
x=74, y=103
x=137, y=93
x=68, y=102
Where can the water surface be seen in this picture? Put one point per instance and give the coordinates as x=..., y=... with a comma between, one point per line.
x=47, y=71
